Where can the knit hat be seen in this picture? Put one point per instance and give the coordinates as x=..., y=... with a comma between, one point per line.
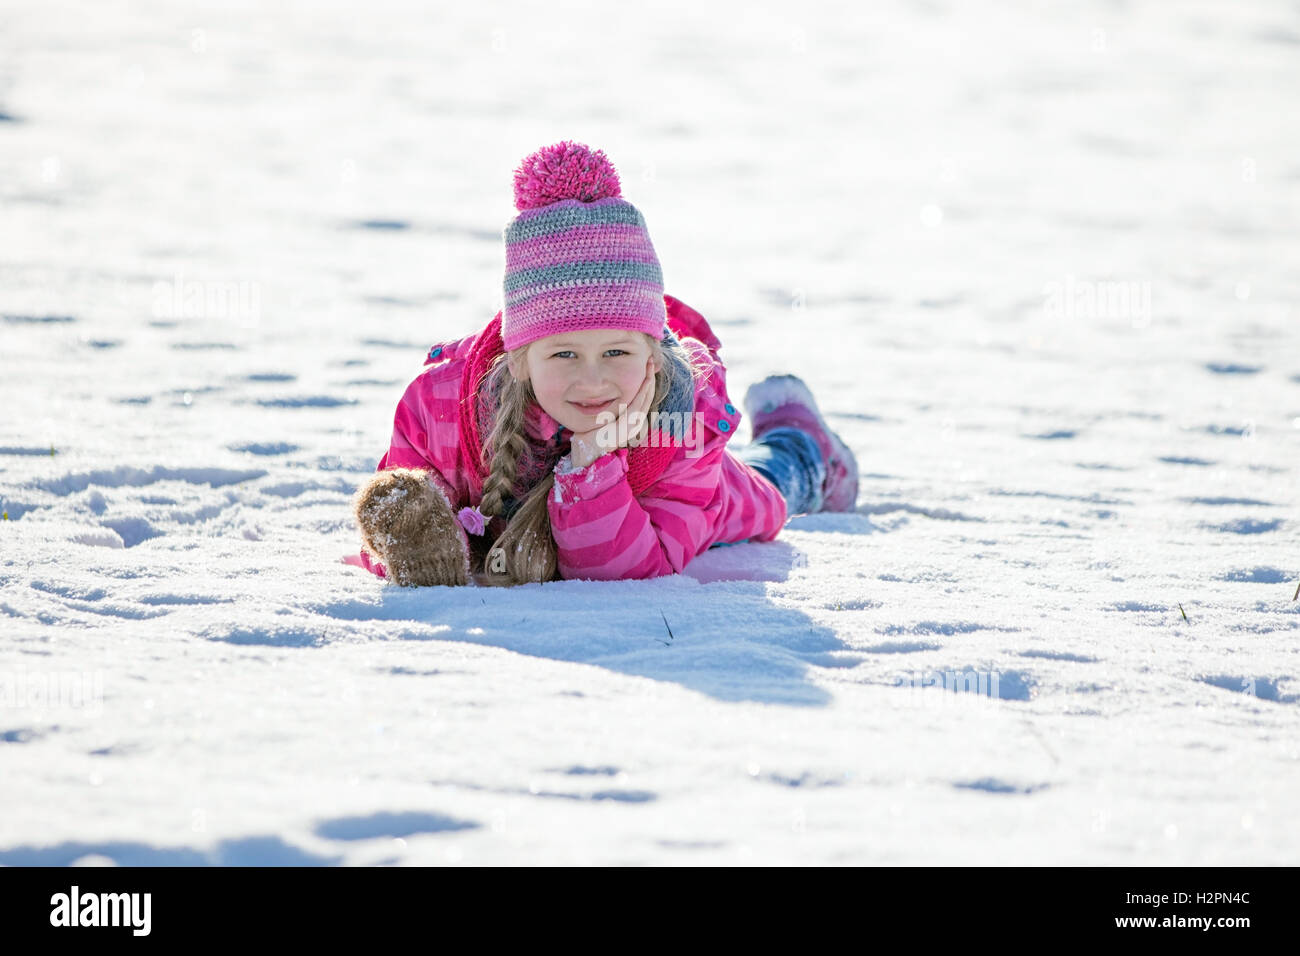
x=578, y=255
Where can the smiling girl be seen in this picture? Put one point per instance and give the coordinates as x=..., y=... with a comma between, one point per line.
x=582, y=433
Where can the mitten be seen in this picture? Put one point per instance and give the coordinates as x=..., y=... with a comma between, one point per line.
x=407, y=522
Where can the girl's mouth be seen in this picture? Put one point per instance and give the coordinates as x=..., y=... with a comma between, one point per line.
x=592, y=409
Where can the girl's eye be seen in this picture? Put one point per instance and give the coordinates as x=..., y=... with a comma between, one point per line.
x=607, y=351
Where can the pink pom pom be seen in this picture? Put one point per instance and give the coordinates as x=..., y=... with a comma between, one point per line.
x=472, y=520
x=566, y=170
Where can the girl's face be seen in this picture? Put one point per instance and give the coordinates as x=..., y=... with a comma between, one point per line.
x=578, y=375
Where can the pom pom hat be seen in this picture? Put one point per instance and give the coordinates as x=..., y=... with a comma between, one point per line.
x=578, y=255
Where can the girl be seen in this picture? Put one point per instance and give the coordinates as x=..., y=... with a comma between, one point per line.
x=581, y=433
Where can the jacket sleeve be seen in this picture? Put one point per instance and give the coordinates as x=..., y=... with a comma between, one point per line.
x=604, y=533
x=413, y=433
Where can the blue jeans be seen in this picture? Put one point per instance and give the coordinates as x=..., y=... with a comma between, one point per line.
x=791, y=460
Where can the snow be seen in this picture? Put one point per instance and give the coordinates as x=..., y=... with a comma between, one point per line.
x=1033, y=267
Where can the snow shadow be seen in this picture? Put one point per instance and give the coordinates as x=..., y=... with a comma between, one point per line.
x=240, y=851
x=1258, y=575
x=536, y=792
x=391, y=825
x=1232, y=368
x=997, y=785
x=1265, y=688
x=726, y=639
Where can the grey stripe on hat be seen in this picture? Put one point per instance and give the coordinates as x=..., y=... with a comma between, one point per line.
x=569, y=213
x=598, y=272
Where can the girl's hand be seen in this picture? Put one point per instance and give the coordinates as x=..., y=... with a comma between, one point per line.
x=629, y=428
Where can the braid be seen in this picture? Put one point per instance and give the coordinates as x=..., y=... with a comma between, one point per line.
x=525, y=551
x=505, y=443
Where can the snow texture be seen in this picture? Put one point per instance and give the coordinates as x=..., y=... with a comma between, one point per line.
x=1037, y=267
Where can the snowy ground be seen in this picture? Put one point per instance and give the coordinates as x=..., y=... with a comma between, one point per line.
x=1039, y=271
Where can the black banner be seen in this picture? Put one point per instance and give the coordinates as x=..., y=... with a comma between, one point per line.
x=968, y=906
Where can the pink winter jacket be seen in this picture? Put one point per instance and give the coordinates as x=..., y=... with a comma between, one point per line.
x=704, y=496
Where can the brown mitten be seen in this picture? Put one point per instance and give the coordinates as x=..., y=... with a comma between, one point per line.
x=407, y=522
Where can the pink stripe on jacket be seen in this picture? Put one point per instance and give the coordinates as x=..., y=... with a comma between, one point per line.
x=704, y=496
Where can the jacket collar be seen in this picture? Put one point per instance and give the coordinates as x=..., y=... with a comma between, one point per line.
x=543, y=427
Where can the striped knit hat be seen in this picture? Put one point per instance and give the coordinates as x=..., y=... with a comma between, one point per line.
x=578, y=256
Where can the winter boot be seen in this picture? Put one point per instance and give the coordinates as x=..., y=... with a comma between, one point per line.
x=407, y=522
x=785, y=401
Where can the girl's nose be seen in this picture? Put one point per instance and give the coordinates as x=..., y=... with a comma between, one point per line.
x=591, y=375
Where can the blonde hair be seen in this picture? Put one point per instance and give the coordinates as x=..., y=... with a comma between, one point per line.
x=526, y=552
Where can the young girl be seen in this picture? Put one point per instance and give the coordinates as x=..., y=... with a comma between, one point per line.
x=582, y=433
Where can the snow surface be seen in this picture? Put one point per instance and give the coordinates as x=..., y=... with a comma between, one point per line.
x=228, y=234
